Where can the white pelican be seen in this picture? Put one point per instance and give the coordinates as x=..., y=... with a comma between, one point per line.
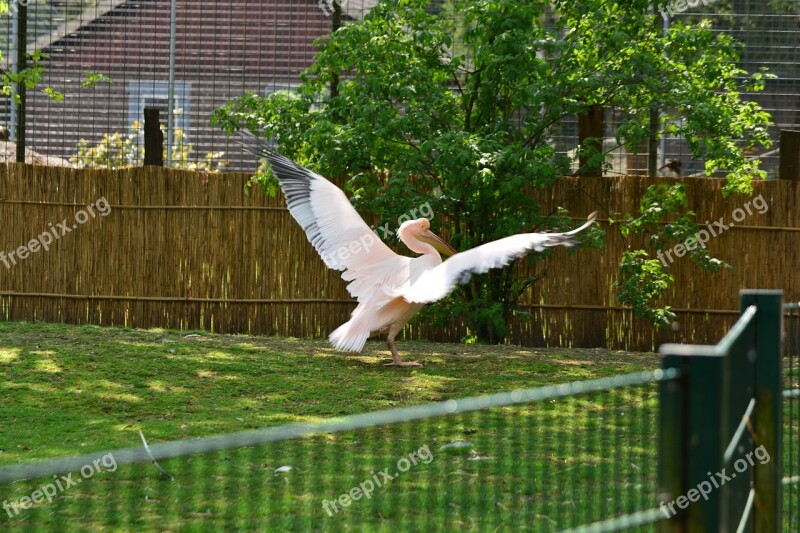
x=390, y=288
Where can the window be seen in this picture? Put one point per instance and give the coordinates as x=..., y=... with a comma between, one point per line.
x=143, y=94
x=276, y=87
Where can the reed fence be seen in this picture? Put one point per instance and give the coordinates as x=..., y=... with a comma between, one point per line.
x=187, y=250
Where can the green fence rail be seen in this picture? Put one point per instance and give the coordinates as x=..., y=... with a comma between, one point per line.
x=602, y=455
x=722, y=425
x=791, y=419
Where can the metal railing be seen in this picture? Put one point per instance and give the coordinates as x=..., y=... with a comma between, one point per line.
x=791, y=419
x=699, y=445
x=543, y=459
x=721, y=426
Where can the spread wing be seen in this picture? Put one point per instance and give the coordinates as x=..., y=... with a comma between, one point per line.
x=331, y=224
x=440, y=281
x=334, y=228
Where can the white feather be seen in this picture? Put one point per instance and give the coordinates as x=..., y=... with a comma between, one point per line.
x=335, y=229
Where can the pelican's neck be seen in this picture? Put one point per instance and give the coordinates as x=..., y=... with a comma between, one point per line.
x=420, y=247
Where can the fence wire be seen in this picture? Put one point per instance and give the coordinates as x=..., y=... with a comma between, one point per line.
x=580, y=456
x=112, y=58
x=546, y=459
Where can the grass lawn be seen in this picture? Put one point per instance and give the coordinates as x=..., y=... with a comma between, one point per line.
x=69, y=390
x=74, y=389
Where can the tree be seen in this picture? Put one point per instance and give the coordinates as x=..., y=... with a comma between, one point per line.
x=458, y=110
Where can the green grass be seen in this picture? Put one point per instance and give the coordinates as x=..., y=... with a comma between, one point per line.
x=73, y=389
x=67, y=390
x=70, y=390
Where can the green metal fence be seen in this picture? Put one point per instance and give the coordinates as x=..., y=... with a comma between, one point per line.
x=543, y=459
x=791, y=419
x=721, y=425
x=580, y=456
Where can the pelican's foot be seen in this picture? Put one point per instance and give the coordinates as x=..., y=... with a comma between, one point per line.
x=396, y=356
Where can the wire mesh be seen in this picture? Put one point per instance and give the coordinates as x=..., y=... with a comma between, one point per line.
x=576, y=455
x=548, y=459
x=111, y=58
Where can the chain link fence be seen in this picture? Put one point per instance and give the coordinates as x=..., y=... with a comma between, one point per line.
x=606, y=454
x=544, y=459
x=110, y=59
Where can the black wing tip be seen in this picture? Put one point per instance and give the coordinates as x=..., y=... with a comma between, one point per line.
x=562, y=240
x=258, y=147
x=285, y=169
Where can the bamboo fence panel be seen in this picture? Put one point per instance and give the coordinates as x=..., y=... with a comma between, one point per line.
x=189, y=250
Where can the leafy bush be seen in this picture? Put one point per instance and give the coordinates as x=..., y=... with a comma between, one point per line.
x=460, y=109
x=116, y=150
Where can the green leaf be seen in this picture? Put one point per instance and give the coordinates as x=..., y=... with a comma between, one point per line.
x=93, y=78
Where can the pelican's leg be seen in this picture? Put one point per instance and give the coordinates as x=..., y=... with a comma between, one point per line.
x=395, y=355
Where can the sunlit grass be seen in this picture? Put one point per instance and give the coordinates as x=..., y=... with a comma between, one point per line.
x=69, y=390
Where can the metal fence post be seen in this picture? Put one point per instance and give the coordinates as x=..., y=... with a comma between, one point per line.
x=22, y=64
x=672, y=452
x=709, y=376
x=767, y=426
x=693, y=447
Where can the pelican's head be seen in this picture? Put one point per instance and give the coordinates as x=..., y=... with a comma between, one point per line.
x=416, y=234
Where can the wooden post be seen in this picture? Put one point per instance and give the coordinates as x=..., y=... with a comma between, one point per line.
x=22, y=64
x=652, y=144
x=590, y=126
x=153, y=138
x=790, y=155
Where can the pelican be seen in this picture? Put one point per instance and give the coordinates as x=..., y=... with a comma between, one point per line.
x=389, y=288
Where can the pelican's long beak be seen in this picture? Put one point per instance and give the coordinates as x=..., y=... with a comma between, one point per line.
x=442, y=246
